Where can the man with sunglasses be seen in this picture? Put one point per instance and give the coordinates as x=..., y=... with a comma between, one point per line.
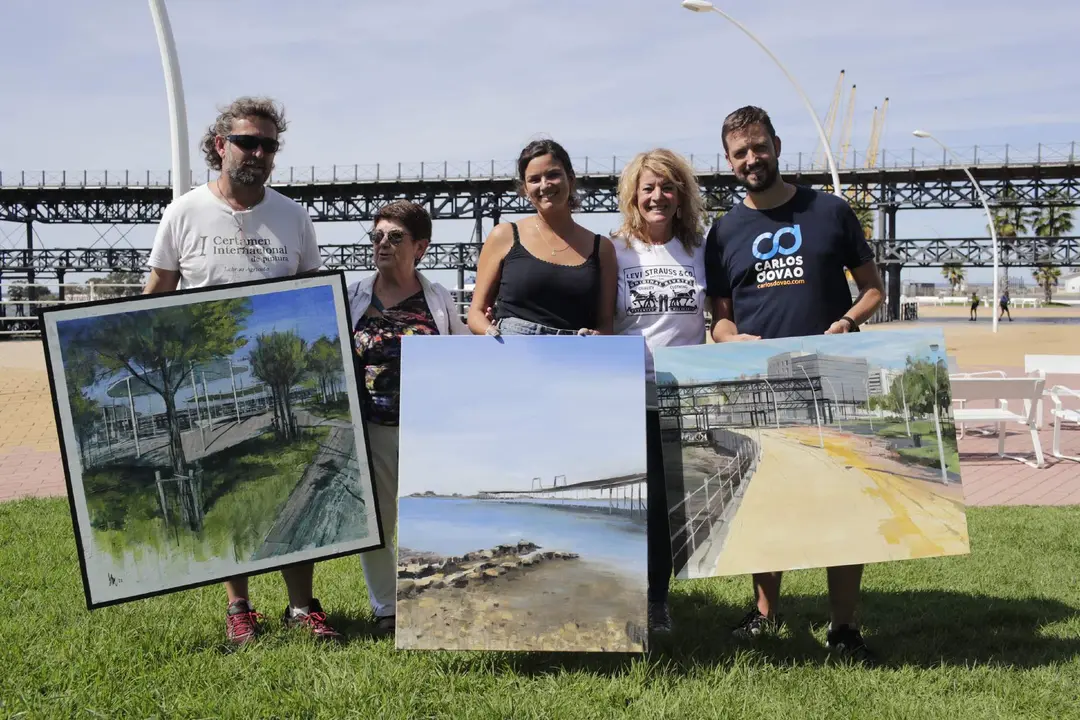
x=236, y=229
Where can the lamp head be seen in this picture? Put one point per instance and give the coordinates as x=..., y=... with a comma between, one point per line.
x=921, y=134
x=697, y=5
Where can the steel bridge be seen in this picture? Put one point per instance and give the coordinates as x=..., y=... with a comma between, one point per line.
x=486, y=191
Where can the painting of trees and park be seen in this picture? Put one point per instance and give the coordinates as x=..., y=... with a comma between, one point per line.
x=211, y=436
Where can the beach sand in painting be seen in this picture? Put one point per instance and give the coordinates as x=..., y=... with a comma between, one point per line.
x=556, y=605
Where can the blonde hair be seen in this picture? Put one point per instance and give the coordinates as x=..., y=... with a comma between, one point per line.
x=687, y=223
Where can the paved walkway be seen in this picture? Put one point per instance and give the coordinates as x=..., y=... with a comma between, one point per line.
x=891, y=511
x=30, y=458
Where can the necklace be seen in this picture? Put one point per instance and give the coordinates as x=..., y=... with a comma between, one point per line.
x=553, y=250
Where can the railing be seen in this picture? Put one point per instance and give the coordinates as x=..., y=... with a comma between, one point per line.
x=718, y=491
x=1063, y=153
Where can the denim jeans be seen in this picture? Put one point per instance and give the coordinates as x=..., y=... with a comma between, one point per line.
x=658, y=528
x=517, y=326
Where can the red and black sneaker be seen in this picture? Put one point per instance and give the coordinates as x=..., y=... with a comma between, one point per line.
x=314, y=619
x=241, y=622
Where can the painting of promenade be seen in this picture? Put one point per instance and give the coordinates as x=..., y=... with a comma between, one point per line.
x=211, y=433
x=810, y=452
x=522, y=494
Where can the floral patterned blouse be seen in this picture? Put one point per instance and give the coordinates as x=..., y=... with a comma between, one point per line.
x=378, y=345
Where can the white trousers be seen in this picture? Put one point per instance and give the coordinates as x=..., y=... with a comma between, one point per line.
x=380, y=566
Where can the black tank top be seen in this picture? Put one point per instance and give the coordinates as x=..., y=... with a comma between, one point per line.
x=559, y=296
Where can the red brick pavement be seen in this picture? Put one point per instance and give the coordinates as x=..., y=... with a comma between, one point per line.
x=992, y=480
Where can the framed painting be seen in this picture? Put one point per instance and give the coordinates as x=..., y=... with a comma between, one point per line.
x=810, y=452
x=210, y=432
x=522, y=500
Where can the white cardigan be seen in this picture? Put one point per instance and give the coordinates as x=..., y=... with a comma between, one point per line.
x=439, y=301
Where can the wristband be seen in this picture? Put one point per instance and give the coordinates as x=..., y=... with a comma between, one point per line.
x=852, y=325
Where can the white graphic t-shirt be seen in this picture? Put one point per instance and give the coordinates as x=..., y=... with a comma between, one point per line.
x=661, y=295
x=209, y=243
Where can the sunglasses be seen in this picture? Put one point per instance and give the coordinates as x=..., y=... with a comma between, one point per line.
x=394, y=236
x=250, y=142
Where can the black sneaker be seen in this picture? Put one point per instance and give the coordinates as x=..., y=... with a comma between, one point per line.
x=314, y=620
x=659, y=617
x=754, y=624
x=847, y=643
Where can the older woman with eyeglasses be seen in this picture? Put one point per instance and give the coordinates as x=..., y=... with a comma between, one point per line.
x=396, y=300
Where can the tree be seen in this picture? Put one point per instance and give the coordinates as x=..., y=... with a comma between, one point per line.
x=1011, y=220
x=117, y=278
x=1047, y=277
x=1054, y=220
x=160, y=347
x=279, y=360
x=324, y=362
x=954, y=275
x=918, y=385
x=81, y=371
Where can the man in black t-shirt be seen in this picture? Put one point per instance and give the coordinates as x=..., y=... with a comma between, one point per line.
x=774, y=268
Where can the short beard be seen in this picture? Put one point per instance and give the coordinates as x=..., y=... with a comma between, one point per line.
x=771, y=175
x=246, y=175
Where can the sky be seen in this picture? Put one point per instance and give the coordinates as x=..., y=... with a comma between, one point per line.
x=729, y=361
x=565, y=405
x=378, y=82
x=307, y=311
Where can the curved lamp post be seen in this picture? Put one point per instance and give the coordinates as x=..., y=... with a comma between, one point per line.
x=817, y=413
x=702, y=6
x=174, y=88
x=989, y=218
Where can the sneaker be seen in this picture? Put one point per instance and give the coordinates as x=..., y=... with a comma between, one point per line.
x=314, y=619
x=385, y=625
x=754, y=624
x=847, y=643
x=241, y=622
x=659, y=617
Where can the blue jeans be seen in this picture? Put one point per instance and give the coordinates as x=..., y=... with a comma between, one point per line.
x=517, y=326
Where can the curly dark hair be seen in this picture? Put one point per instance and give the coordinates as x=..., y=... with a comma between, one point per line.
x=743, y=118
x=540, y=148
x=241, y=108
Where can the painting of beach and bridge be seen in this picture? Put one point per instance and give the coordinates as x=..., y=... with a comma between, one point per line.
x=210, y=433
x=522, y=494
x=810, y=452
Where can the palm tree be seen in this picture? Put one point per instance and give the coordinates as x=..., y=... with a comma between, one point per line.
x=954, y=275
x=1047, y=277
x=1011, y=220
x=1054, y=220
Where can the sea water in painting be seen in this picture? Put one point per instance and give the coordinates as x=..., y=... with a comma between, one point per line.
x=210, y=433
x=810, y=452
x=522, y=494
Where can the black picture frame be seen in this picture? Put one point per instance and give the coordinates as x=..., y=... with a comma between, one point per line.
x=47, y=318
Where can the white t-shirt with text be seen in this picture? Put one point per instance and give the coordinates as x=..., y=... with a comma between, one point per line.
x=210, y=243
x=661, y=295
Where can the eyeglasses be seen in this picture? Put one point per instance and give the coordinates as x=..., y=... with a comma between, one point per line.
x=394, y=236
x=248, y=143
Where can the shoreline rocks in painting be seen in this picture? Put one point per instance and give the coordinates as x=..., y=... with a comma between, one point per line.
x=421, y=571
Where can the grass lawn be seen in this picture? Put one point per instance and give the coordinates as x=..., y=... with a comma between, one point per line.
x=992, y=635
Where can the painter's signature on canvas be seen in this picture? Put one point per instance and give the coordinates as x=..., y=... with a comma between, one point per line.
x=113, y=580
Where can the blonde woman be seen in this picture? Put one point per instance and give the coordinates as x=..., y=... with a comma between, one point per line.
x=661, y=296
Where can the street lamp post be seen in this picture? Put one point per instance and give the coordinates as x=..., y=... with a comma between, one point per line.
x=174, y=89
x=989, y=218
x=817, y=413
x=869, y=412
x=833, y=388
x=702, y=6
x=937, y=418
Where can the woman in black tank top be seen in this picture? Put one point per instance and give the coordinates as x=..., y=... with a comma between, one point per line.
x=545, y=274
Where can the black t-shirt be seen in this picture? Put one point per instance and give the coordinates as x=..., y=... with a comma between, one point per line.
x=784, y=268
